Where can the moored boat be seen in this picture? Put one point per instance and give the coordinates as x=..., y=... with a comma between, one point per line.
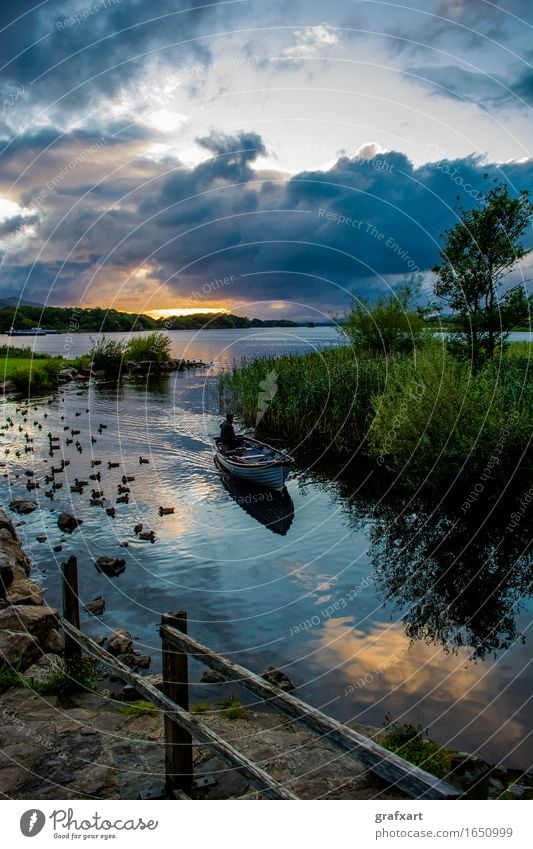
x=255, y=462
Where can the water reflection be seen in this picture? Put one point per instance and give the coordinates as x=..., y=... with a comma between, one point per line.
x=458, y=580
x=275, y=510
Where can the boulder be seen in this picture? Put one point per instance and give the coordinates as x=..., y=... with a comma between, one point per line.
x=29, y=618
x=6, y=578
x=67, y=522
x=24, y=591
x=17, y=647
x=211, y=677
x=66, y=374
x=44, y=668
x=137, y=661
x=8, y=386
x=110, y=566
x=278, y=678
x=119, y=642
x=23, y=505
x=96, y=606
x=54, y=642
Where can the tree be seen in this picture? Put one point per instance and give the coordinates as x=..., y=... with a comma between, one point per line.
x=390, y=325
x=478, y=253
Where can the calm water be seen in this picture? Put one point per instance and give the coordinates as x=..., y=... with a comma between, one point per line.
x=367, y=608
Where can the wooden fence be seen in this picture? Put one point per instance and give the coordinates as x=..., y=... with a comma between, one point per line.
x=181, y=727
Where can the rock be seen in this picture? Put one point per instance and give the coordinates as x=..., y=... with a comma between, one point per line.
x=68, y=523
x=16, y=647
x=96, y=606
x=6, y=578
x=66, y=374
x=44, y=668
x=139, y=661
x=30, y=619
x=24, y=591
x=211, y=677
x=110, y=566
x=119, y=642
x=54, y=642
x=278, y=678
x=23, y=505
x=8, y=386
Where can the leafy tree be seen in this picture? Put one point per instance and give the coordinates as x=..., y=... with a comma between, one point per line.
x=390, y=325
x=478, y=253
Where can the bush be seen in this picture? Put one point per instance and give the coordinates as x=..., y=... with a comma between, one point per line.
x=154, y=347
x=391, y=325
x=37, y=377
x=107, y=355
x=411, y=743
x=63, y=684
x=10, y=676
x=232, y=708
x=139, y=708
x=436, y=416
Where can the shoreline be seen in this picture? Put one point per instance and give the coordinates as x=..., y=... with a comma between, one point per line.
x=37, y=728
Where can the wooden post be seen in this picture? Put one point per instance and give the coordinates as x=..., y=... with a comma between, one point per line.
x=71, y=612
x=178, y=742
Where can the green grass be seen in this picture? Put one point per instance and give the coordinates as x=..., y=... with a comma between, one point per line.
x=64, y=685
x=233, y=708
x=35, y=374
x=426, y=417
x=412, y=743
x=10, y=676
x=200, y=707
x=139, y=708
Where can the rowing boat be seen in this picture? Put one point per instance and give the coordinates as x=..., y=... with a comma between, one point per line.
x=255, y=462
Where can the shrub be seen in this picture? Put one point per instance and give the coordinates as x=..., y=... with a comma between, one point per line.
x=233, y=709
x=154, y=347
x=200, y=707
x=37, y=376
x=107, y=355
x=391, y=325
x=411, y=743
x=10, y=676
x=63, y=684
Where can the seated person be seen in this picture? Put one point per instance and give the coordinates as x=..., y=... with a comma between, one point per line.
x=228, y=435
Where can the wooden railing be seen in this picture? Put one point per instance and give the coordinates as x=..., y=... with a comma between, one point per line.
x=181, y=727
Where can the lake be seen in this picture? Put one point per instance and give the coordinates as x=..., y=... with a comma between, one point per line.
x=369, y=608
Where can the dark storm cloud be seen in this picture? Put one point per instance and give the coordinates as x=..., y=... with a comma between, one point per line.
x=470, y=23
x=73, y=52
x=486, y=91
x=357, y=227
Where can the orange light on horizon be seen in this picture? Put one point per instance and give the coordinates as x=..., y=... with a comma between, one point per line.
x=180, y=311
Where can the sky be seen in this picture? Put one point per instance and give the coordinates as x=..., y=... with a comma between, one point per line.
x=275, y=159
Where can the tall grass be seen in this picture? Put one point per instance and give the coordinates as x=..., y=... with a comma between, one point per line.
x=425, y=415
x=111, y=356
x=323, y=396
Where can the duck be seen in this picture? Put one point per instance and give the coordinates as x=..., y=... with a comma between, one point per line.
x=143, y=460
x=166, y=511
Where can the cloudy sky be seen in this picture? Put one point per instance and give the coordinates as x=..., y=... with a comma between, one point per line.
x=264, y=156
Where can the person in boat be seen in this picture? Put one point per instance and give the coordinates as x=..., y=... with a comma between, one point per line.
x=228, y=435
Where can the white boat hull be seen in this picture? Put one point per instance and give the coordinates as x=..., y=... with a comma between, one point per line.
x=271, y=474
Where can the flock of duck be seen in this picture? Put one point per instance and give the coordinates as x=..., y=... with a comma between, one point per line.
x=58, y=442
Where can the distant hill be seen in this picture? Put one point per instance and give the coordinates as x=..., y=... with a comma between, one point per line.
x=98, y=320
x=13, y=301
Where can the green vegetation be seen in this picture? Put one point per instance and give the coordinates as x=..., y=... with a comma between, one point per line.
x=427, y=416
x=139, y=708
x=155, y=347
x=64, y=685
x=30, y=371
x=411, y=743
x=391, y=325
x=323, y=396
x=200, y=707
x=98, y=320
x=10, y=676
x=233, y=708
x=477, y=255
